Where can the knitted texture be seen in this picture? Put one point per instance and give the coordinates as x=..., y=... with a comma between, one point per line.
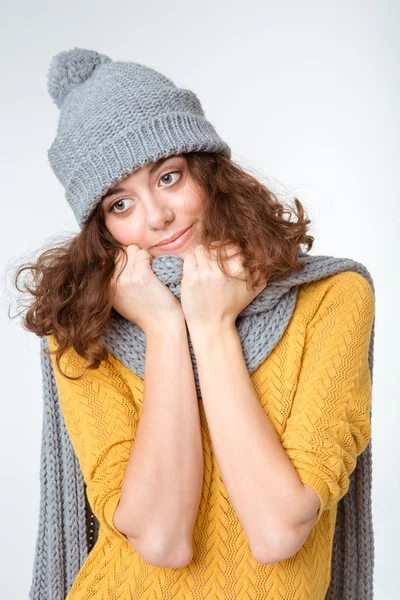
x=115, y=117
x=308, y=345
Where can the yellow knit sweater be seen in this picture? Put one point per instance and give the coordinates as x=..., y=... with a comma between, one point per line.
x=315, y=387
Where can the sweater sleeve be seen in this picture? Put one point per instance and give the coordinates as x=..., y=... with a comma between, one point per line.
x=329, y=425
x=101, y=420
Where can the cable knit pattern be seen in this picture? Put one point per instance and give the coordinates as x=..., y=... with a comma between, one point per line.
x=315, y=386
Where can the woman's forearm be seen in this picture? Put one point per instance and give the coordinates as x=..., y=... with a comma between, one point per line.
x=263, y=485
x=163, y=481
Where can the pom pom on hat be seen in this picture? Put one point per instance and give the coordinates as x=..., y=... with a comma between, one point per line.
x=70, y=68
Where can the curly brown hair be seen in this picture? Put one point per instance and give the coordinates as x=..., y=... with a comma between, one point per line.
x=70, y=283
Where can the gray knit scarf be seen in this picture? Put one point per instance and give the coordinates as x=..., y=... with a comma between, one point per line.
x=67, y=527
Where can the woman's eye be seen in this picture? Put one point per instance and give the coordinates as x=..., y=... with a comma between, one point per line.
x=117, y=203
x=168, y=174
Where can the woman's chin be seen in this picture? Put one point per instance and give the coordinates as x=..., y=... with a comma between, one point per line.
x=181, y=252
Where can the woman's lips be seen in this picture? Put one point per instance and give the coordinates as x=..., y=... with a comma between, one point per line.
x=178, y=242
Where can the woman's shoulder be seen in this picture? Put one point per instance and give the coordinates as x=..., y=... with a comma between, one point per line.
x=345, y=285
x=110, y=369
x=345, y=296
x=73, y=363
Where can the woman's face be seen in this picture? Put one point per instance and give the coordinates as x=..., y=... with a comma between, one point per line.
x=155, y=202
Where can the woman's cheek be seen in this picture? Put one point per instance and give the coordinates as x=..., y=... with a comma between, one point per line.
x=124, y=234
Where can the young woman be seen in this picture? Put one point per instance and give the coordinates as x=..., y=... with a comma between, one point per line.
x=215, y=382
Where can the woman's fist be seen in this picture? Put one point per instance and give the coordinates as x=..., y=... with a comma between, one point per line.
x=138, y=294
x=208, y=296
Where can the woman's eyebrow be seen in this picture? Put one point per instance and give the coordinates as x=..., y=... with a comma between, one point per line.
x=117, y=190
x=112, y=192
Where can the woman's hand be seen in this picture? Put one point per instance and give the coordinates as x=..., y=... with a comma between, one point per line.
x=208, y=296
x=139, y=295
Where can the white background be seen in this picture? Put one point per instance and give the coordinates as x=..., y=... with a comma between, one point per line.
x=305, y=94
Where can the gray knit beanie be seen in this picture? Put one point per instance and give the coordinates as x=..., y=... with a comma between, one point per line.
x=115, y=117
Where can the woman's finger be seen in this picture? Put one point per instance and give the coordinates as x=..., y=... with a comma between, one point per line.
x=142, y=261
x=189, y=264
x=131, y=251
x=201, y=258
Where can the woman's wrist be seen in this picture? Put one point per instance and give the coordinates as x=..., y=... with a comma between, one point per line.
x=173, y=325
x=212, y=329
